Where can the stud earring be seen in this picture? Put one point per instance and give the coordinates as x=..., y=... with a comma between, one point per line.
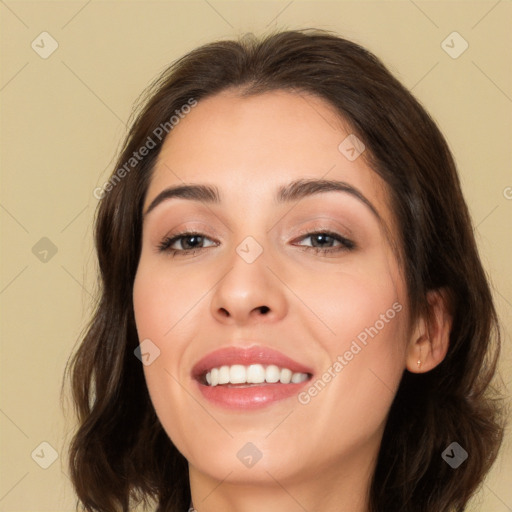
x=419, y=363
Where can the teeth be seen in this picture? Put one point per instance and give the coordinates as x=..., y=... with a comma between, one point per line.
x=299, y=377
x=237, y=374
x=286, y=376
x=224, y=375
x=256, y=374
x=253, y=374
x=273, y=373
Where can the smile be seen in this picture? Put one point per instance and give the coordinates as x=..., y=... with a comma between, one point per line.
x=247, y=378
x=253, y=374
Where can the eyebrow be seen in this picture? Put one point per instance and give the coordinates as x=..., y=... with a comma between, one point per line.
x=293, y=191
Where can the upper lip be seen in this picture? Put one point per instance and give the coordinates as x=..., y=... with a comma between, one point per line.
x=256, y=354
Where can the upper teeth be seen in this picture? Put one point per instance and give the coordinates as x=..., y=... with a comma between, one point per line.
x=252, y=374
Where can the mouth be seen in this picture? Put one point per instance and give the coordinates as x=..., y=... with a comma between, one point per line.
x=253, y=375
x=245, y=378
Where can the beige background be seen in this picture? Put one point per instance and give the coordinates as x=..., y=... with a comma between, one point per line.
x=63, y=119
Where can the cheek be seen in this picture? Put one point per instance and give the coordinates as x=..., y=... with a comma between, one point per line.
x=345, y=300
x=362, y=332
x=158, y=306
x=354, y=392
x=162, y=299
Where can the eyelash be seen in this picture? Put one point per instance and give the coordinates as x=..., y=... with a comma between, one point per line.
x=346, y=244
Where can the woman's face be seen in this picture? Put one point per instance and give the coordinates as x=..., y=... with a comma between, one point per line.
x=282, y=280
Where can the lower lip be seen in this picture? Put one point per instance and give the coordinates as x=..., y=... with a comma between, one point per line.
x=251, y=397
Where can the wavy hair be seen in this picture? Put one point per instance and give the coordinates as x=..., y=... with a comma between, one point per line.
x=120, y=454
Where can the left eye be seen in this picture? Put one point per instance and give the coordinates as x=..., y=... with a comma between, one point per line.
x=322, y=241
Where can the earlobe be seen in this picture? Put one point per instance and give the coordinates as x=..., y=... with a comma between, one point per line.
x=429, y=343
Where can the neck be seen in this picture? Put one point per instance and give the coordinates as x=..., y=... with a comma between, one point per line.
x=340, y=490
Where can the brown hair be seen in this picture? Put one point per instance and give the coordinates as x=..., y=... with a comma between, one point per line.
x=120, y=453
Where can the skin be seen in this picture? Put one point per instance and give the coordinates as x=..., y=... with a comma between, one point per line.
x=315, y=456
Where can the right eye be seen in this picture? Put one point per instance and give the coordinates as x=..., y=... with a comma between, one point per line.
x=190, y=243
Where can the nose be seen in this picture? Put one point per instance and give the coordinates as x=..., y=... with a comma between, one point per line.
x=249, y=292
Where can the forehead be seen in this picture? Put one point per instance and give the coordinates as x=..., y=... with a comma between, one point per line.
x=250, y=146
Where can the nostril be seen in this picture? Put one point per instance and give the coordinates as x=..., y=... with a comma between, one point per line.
x=264, y=309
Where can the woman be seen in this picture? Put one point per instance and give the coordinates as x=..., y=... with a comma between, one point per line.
x=293, y=313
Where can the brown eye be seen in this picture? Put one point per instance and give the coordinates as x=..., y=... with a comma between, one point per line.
x=186, y=242
x=324, y=241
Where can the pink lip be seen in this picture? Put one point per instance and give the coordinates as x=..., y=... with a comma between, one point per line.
x=252, y=355
x=254, y=396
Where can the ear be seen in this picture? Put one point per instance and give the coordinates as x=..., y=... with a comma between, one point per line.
x=431, y=336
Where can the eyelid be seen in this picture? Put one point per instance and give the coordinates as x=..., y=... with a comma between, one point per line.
x=324, y=229
x=198, y=227
x=326, y=223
